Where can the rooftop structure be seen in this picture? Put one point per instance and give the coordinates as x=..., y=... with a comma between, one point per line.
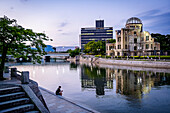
x=97, y=33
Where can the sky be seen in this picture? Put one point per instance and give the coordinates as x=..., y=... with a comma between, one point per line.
x=62, y=20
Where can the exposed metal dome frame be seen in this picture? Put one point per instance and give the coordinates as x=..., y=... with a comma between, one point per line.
x=133, y=20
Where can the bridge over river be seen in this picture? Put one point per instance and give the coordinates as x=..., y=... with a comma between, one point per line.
x=48, y=56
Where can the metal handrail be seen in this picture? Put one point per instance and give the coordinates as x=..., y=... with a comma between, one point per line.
x=19, y=71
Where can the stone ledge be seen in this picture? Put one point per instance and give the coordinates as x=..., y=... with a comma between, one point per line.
x=35, y=99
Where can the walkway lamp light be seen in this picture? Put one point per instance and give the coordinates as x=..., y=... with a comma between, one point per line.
x=98, y=50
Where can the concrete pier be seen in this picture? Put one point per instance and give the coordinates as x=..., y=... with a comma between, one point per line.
x=59, y=104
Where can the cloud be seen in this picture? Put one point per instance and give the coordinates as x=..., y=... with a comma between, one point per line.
x=23, y=0
x=60, y=30
x=63, y=24
x=150, y=13
x=11, y=8
x=156, y=21
x=65, y=33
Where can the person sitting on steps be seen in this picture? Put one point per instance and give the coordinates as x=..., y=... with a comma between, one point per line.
x=59, y=91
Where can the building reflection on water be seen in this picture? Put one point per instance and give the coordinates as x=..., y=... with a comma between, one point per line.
x=94, y=77
x=128, y=82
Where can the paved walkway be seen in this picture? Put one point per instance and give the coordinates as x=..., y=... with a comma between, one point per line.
x=58, y=104
x=55, y=103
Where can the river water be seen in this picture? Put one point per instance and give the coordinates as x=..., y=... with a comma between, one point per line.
x=105, y=88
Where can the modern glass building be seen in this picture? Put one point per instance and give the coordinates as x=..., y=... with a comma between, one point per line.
x=95, y=33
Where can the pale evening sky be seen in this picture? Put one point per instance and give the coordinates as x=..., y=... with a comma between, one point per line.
x=62, y=20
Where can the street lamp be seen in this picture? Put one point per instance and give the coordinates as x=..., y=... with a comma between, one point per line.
x=98, y=50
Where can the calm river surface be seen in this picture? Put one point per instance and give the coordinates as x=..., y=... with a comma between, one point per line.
x=106, y=89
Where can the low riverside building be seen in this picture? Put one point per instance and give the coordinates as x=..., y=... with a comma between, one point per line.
x=110, y=47
x=98, y=33
x=133, y=41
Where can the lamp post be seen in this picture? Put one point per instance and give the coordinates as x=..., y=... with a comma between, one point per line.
x=98, y=50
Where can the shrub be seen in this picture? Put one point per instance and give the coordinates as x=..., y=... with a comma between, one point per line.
x=108, y=56
x=98, y=56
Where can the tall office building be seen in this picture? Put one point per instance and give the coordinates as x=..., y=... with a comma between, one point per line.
x=98, y=33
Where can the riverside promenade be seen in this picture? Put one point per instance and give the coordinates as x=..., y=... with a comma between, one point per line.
x=55, y=104
x=59, y=104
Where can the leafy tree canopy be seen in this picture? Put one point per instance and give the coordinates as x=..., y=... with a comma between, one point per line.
x=18, y=41
x=95, y=48
x=75, y=52
x=111, y=41
x=164, y=41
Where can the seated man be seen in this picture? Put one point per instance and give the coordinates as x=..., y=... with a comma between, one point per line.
x=59, y=91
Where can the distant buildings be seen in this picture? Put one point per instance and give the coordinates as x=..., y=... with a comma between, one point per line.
x=133, y=41
x=65, y=48
x=95, y=33
x=49, y=48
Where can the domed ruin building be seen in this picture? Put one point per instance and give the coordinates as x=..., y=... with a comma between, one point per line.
x=133, y=41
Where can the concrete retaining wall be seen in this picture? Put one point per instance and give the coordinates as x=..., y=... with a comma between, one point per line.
x=150, y=64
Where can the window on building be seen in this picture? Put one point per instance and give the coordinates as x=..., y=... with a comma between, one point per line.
x=133, y=27
x=147, y=46
x=137, y=27
x=125, y=46
x=119, y=39
x=142, y=39
x=151, y=46
x=135, y=40
x=118, y=33
x=119, y=46
x=126, y=39
x=111, y=47
x=147, y=38
x=135, y=47
x=118, y=54
x=134, y=32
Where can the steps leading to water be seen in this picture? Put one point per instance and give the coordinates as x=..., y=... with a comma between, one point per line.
x=14, y=99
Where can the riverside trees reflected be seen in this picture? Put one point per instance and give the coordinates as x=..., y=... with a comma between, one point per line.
x=128, y=82
x=106, y=88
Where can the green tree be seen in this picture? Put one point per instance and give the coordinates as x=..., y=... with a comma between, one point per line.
x=75, y=52
x=111, y=41
x=95, y=48
x=18, y=41
x=164, y=41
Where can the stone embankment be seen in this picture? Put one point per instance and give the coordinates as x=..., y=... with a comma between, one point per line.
x=149, y=64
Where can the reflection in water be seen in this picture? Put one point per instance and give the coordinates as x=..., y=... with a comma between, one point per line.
x=106, y=90
x=128, y=82
x=93, y=78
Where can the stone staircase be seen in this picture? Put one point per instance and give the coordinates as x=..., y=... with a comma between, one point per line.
x=13, y=99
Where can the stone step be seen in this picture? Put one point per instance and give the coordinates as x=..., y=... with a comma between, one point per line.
x=13, y=103
x=19, y=109
x=10, y=90
x=32, y=112
x=11, y=96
